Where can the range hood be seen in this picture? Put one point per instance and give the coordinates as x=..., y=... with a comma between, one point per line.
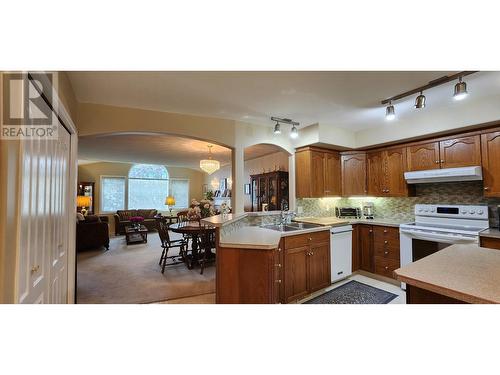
x=445, y=175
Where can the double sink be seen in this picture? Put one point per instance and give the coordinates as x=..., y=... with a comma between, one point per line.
x=290, y=227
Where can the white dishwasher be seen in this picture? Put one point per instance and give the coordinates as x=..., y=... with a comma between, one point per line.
x=341, y=252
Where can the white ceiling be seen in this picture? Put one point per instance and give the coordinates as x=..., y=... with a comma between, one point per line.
x=349, y=100
x=159, y=149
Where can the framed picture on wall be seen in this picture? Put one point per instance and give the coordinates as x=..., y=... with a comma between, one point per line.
x=247, y=189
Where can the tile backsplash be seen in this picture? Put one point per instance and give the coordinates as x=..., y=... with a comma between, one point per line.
x=402, y=208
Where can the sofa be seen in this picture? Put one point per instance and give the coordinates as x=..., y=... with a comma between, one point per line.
x=122, y=219
x=92, y=233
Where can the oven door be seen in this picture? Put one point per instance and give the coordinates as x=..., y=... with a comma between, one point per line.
x=424, y=243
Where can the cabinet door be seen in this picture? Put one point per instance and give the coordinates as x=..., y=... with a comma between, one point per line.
x=317, y=174
x=491, y=163
x=460, y=152
x=303, y=174
x=354, y=174
x=423, y=157
x=295, y=273
x=366, y=247
x=375, y=174
x=319, y=266
x=332, y=174
x=395, y=163
x=272, y=183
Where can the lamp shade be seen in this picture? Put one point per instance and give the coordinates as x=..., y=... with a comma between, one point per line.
x=83, y=201
x=170, y=201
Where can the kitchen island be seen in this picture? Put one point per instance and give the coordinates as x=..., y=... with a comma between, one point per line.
x=456, y=274
x=269, y=263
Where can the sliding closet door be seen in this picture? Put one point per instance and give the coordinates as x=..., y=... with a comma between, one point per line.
x=43, y=252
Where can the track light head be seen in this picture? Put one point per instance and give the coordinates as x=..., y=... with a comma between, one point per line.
x=294, y=133
x=390, y=114
x=277, y=129
x=460, y=90
x=420, y=101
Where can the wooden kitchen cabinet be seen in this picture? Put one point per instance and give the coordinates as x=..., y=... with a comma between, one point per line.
x=489, y=242
x=490, y=145
x=317, y=172
x=385, y=173
x=448, y=153
x=366, y=247
x=353, y=168
x=306, y=264
x=385, y=250
x=355, y=248
x=423, y=157
x=460, y=152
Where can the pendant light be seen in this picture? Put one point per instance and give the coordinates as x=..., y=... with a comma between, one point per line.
x=294, y=133
x=389, y=112
x=460, y=90
x=420, y=101
x=209, y=165
x=277, y=129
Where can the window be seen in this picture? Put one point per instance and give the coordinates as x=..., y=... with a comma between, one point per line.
x=179, y=189
x=112, y=193
x=147, y=186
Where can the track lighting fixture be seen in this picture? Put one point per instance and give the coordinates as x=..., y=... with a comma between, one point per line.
x=460, y=90
x=459, y=93
x=389, y=112
x=277, y=128
x=420, y=101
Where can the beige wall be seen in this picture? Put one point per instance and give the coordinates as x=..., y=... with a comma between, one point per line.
x=92, y=172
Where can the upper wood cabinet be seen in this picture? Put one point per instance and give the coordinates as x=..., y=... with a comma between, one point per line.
x=423, y=157
x=490, y=144
x=449, y=153
x=385, y=173
x=317, y=173
x=460, y=152
x=354, y=174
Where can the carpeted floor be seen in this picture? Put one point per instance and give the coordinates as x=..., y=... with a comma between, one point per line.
x=131, y=274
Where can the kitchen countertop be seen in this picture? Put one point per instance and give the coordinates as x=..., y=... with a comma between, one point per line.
x=491, y=233
x=335, y=221
x=220, y=220
x=260, y=238
x=465, y=272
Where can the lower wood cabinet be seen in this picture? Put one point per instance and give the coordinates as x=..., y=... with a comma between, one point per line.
x=378, y=249
x=489, y=242
x=306, y=260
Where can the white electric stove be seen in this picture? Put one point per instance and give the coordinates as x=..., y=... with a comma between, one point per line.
x=439, y=226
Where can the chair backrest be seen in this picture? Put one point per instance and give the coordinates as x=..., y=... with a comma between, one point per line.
x=162, y=227
x=207, y=237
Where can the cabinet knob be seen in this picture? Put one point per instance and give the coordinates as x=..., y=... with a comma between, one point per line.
x=437, y=162
x=386, y=252
x=312, y=252
x=486, y=188
x=278, y=265
x=442, y=161
x=386, y=268
x=385, y=230
x=278, y=281
x=386, y=242
x=279, y=248
x=310, y=239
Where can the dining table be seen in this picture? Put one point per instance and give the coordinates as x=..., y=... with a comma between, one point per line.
x=192, y=229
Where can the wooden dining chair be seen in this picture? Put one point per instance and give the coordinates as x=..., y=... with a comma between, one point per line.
x=206, y=244
x=167, y=244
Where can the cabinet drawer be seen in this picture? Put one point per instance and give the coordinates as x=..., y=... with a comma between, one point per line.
x=491, y=243
x=385, y=266
x=307, y=239
x=385, y=233
x=387, y=250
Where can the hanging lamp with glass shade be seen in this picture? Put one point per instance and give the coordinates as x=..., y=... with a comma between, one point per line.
x=209, y=165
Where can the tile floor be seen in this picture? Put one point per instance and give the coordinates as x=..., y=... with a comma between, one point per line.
x=401, y=294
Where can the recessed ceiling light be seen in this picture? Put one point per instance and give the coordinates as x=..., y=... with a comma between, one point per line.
x=460, y=90
x=389, y=112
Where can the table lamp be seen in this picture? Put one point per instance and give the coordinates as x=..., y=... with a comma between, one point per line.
x=170, y=201
x=83, y=201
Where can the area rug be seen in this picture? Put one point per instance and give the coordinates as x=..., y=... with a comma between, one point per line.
x=354, y=292
x=131, y=274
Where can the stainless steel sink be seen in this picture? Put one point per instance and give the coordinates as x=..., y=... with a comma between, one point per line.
x=289, y=227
